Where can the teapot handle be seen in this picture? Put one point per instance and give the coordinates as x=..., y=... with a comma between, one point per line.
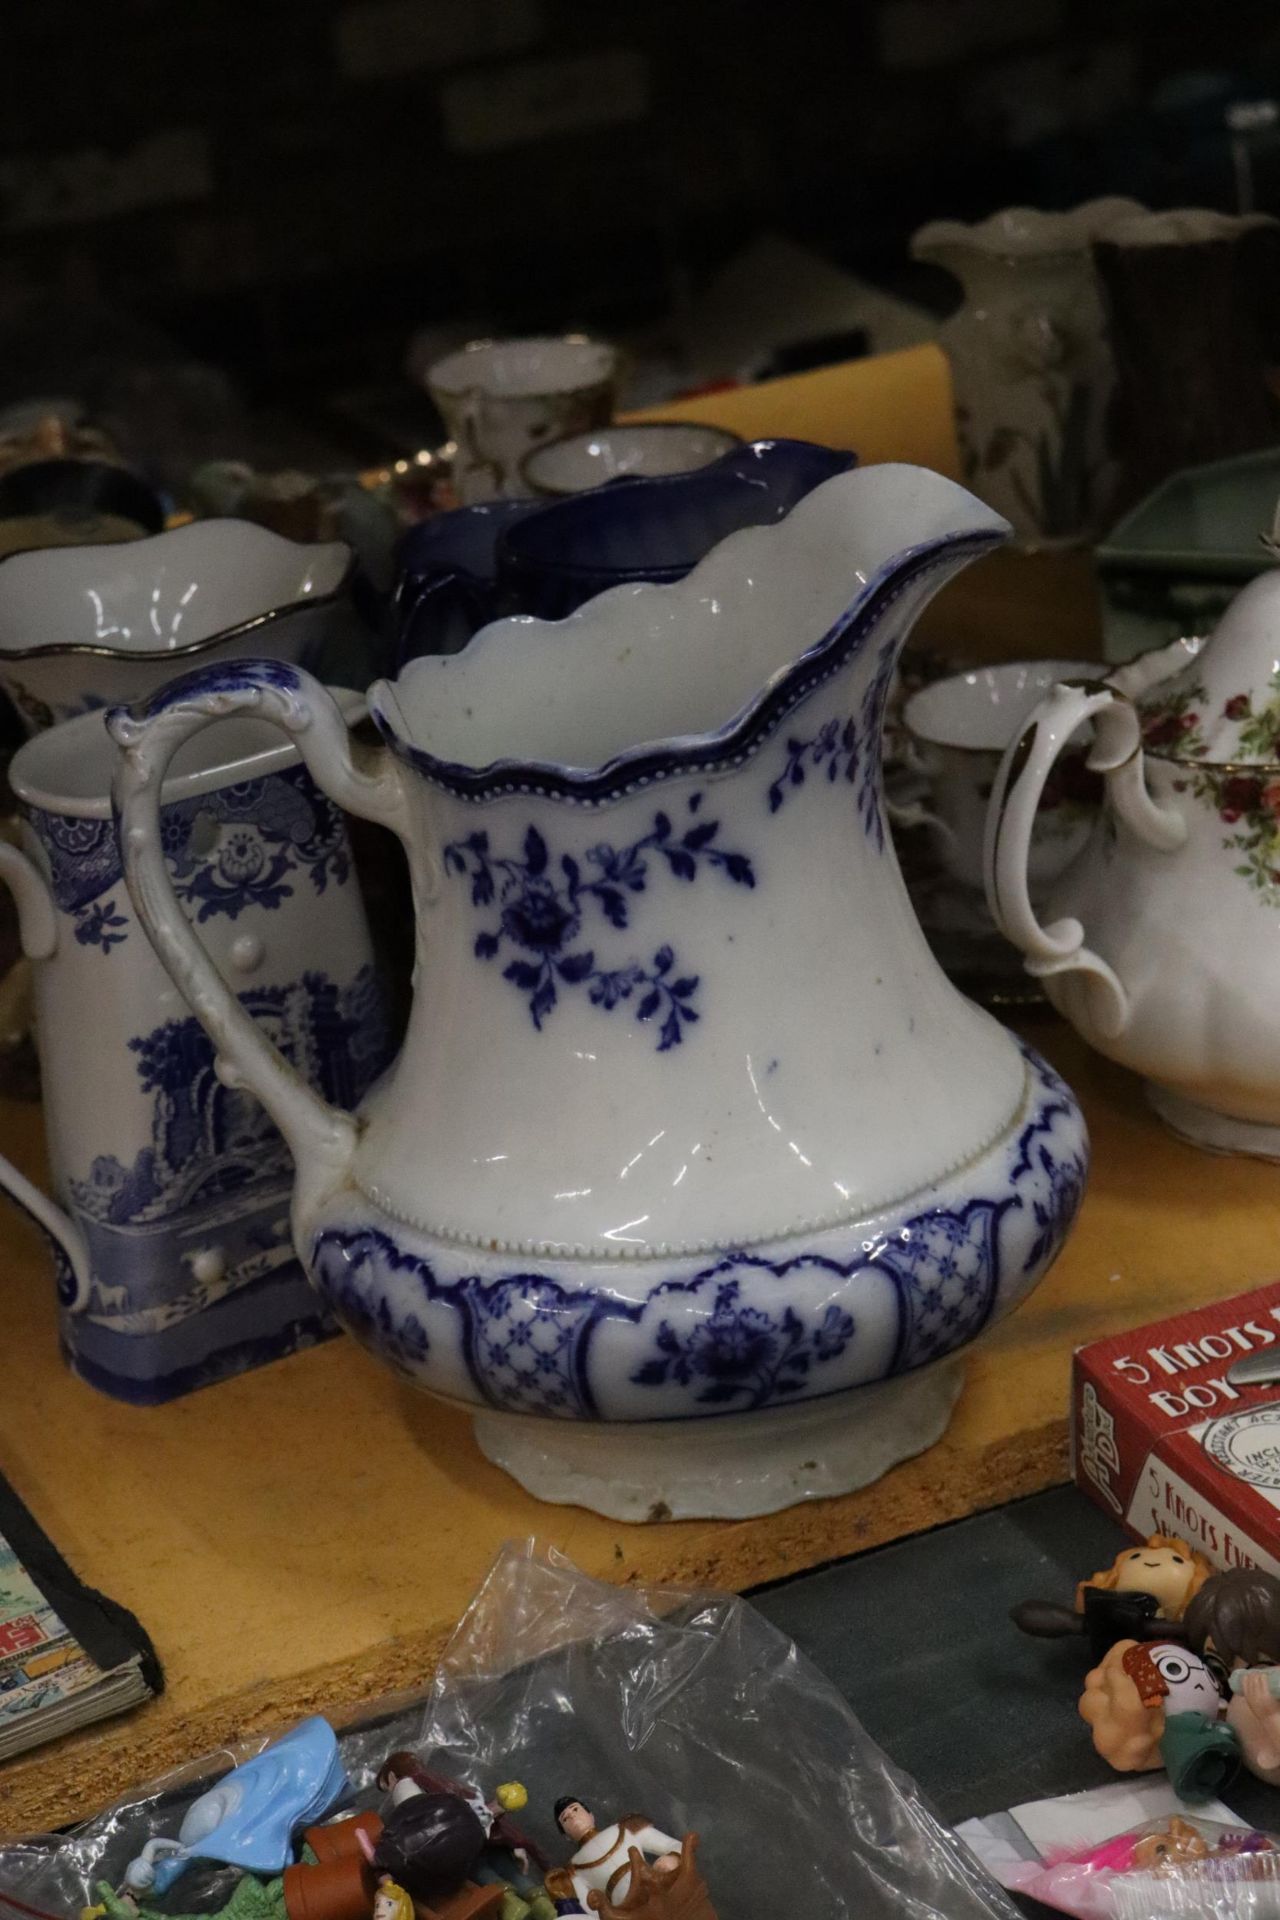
x=38, y=930
x=1117, y=753
x=363, y=781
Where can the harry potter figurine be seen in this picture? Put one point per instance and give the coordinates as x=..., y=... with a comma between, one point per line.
x=1234, y=1621
x=1158, y=1704
x=1142, y=1595
x=626, y=1867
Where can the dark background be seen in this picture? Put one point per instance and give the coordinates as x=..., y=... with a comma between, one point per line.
x=288, y=188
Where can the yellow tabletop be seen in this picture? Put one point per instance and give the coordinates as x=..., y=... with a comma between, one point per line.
x=303, y=1538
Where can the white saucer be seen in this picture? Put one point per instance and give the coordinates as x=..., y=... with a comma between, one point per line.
x=1216, y=1132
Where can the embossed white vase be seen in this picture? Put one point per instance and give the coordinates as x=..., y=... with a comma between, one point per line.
x=1031, y=363
x=688, y=1126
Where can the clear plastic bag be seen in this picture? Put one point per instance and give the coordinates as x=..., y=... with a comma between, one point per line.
x=1175, y=1868
x=1246, y=1887
x=690, y=1709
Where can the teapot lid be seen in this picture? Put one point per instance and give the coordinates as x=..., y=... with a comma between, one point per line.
x=1221, y=706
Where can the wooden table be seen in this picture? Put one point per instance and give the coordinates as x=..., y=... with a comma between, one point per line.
x=304, y=1537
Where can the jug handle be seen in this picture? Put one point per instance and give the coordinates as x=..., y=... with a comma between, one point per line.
x=38, y=931
x=1117, y=753
x=365, y=781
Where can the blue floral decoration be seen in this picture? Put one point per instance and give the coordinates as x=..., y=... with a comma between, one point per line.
x=542, y=911
x=871, y=723
x=1054, y=1214
x=734, y=1334
x=99, y=924
x=743, y=1354
x=236, y=847
x=404, y=1343
x=219, y=676
x=834, y=749
x=267, y=831
x=849, y=750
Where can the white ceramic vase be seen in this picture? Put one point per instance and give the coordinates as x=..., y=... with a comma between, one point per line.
x=1031, y=366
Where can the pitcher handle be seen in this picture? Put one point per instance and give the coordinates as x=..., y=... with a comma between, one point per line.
x=1116, y=752
x=365, y=781
x=38, y=931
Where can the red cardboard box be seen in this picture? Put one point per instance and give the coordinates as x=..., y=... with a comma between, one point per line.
x=1166, y=1443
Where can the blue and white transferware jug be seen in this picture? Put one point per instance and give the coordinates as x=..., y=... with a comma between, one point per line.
x=688, y=1122
x=460, y=570
x=176, y=1265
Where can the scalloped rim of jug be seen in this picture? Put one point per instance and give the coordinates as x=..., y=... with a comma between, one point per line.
x=715, y=749
x=239, y=629
x=567, y=509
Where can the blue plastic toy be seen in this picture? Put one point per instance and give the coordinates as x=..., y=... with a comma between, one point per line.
x=250, y=1817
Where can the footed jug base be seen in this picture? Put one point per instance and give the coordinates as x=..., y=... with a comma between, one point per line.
x=1216, y=1132
x=730, y=1468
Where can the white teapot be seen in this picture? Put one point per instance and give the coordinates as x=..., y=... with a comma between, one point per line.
x=1161, y=940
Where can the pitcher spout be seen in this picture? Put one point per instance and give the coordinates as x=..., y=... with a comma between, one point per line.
x=645, y=682
x=913, y=514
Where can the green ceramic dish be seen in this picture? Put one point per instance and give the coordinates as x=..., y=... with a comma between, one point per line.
x=1173, y=563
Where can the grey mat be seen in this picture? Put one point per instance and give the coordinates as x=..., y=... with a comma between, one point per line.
x=917, y=1637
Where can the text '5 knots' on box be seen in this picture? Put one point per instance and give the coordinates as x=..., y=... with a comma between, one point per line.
x=1171, y=1435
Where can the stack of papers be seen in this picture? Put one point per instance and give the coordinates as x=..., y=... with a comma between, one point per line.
x=67, y=1655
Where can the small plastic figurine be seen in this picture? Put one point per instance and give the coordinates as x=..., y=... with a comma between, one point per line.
x=391, y=1902
x=250, y=1899
x=1177, y=1840
x=1140, y=1596
x=334, y=1879
x=1157, y=1704
x=249, y=1819
x=1234, y=1621
x=402, y=1776
x=627, y=1867
x=429, y=1844
x=1164, y=1566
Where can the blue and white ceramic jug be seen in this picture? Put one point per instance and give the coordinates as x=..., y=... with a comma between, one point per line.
x=175, y=1261
x=460, y=570
x=688, y=1122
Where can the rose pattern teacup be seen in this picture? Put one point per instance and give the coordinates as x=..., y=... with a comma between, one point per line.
x=956, y=731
